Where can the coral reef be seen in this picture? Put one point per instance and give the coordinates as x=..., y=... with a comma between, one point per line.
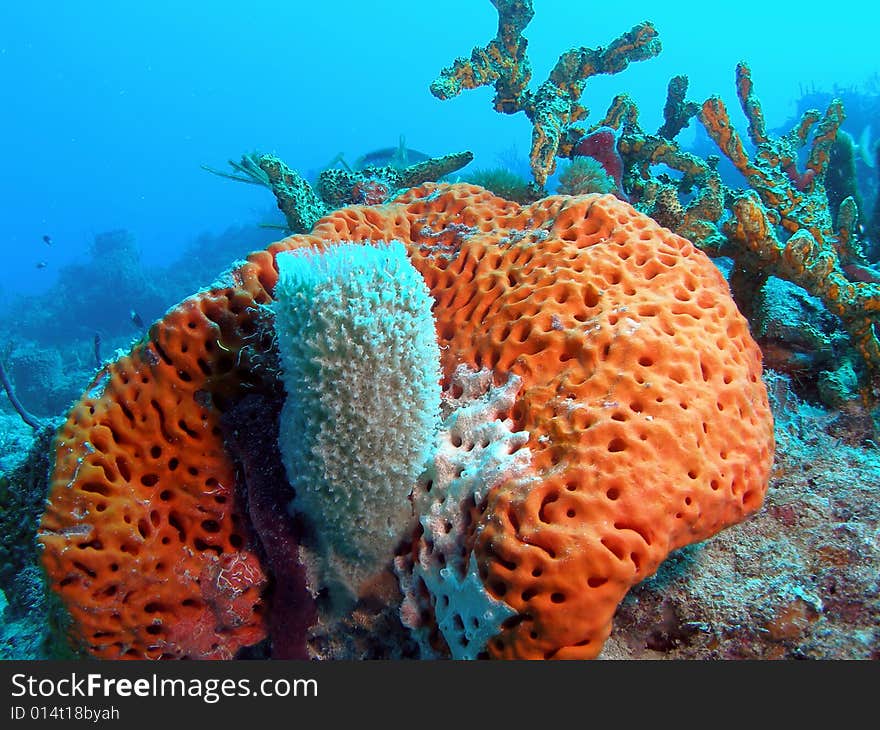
x=815, y=255
x=862, y=105
x=511, y=424
x=840, y=178
x=781, y=226
x=801, y=225
x=302, y=204
x=677, y=111
x=799, y=337
x=31, y=621
x=14, y=402
x=205, y=258
x=61, y=324
x=554, y=108
x=22, y=488
x=627, y=345
x=873, y=227
x=78, y=306
x=797, y=196
x=39, y=381
x=16, y=438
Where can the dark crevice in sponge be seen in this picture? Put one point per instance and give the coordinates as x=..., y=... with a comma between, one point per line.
x=250, y=430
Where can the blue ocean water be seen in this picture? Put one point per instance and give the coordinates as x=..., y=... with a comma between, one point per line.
x=110, y=108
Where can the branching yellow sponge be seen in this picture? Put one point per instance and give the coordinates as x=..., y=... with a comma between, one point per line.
x=361, y=367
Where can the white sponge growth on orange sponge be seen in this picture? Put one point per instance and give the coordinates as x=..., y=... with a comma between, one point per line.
x=361, y=367
x=477, y=451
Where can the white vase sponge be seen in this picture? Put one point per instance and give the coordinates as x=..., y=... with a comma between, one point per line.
x=361, y=368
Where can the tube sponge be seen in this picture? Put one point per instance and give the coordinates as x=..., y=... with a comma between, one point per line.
x=361, y=368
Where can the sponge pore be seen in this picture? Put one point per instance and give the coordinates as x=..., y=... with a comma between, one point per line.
x=361, y=367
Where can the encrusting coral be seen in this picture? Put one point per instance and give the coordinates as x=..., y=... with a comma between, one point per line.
x=638, y=397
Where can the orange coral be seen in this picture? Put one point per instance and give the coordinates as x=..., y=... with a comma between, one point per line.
x=648, y=421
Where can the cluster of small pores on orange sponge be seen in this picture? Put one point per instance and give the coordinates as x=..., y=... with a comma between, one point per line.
x=647, y=420
x=143, y=536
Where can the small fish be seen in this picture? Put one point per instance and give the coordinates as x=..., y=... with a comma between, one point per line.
x=42, y=264
x=136, y=320
x=397, y=157
x=47, y=240
x=97, y=349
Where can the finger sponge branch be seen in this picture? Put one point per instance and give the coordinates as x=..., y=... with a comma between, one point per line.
x=361, y=367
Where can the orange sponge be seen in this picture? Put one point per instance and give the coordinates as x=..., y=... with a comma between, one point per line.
x=142, y=534
x=648, y=421
x=640, y=391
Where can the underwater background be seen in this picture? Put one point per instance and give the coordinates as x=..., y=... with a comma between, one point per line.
x=117, y=117
x=111, y=108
